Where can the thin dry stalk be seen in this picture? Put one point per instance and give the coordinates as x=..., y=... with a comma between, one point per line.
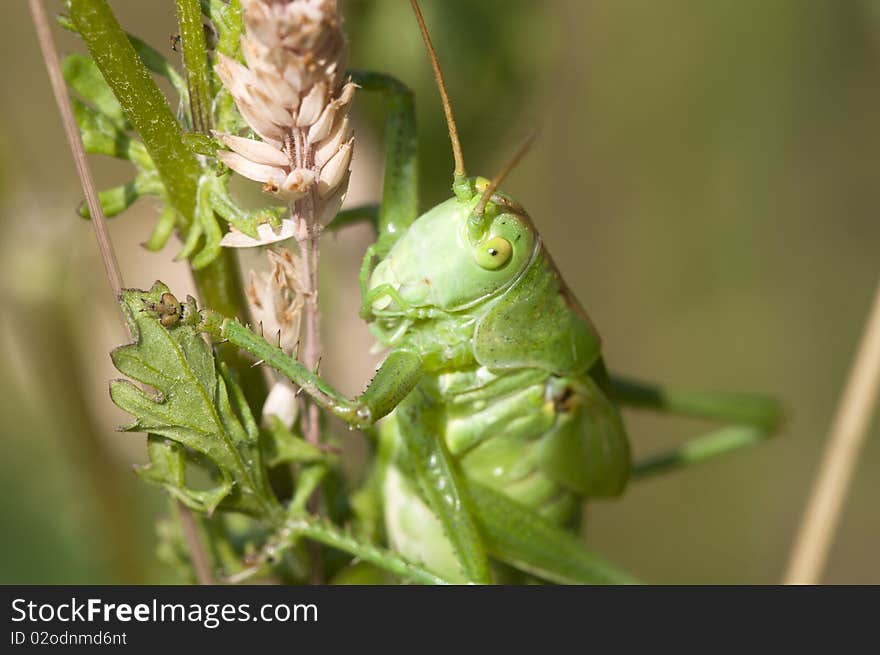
x=99, y=224
x=847, y=436
x=59, y=89
x=193, y=540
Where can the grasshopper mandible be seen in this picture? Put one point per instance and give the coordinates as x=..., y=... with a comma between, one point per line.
x=498, y=416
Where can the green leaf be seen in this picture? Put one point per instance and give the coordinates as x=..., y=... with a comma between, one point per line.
x=103, y=137
x=151, y=57
x=116, y=200
x=244, y=221
x=167, y=468
x=83, y=76
x=203, y=252
x=227, y=20
x=162, y=231
x=206, y=219
x=141, y=100
x=191, y=406
x=282, y=446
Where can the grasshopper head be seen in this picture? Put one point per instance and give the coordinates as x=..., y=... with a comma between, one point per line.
x=438, y=263
x=463, y=251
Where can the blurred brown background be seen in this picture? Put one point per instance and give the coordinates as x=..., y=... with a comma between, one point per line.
x=706, y=177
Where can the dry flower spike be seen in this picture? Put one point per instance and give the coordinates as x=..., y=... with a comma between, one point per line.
x=276, y=298
x=292, y=95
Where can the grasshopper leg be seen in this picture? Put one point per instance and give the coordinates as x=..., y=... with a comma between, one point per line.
x=392, y=387
x=400, y=197
x=751, y=418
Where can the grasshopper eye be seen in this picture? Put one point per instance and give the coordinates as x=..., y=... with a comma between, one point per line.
x=493, y=254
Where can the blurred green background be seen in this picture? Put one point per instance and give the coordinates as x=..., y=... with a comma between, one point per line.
x=705, y=176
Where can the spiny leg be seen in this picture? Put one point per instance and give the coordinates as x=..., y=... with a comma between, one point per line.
x=396, y=377
x=391, y=387
x=753, y=418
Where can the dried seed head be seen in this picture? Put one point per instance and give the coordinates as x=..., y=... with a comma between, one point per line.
x=293, y=96
x=276, y=298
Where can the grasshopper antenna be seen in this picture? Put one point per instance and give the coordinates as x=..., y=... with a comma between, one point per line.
x=444, y=96
x=477, y=217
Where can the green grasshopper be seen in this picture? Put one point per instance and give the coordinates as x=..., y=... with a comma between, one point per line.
x=496, y=414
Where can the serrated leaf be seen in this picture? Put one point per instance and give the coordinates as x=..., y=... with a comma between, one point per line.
x=191, y=406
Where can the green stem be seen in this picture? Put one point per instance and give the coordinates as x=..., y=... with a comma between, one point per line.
x=219, y=283
x=141, y=100
x=195, y=58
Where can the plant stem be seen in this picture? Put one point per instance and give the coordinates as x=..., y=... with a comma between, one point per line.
x=219, y=283
x=312, y=352
x=308, y=234
x=141, y=100
x=847, y=436
x=99, y=222
x=197, y=554
x=192, y=37
x=99, y=225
